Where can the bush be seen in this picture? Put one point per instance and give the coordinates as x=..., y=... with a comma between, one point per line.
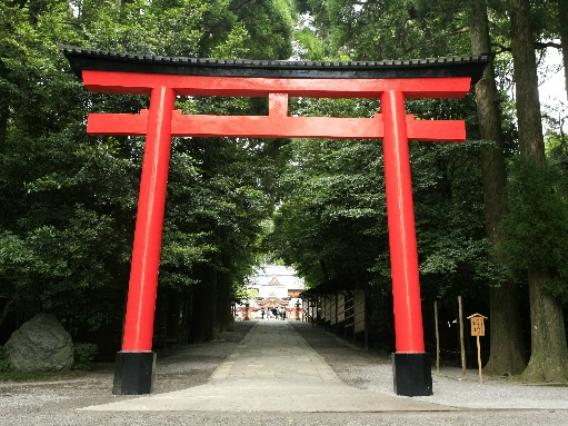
x=84, y=354
x=537, y=222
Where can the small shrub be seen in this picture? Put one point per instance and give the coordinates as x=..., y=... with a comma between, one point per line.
x=84, y=354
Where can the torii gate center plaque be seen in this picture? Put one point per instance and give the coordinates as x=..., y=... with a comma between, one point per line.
x=162, y=79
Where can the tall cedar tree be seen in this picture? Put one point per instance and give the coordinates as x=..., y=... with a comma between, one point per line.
x=507, y=347
x=549, y=352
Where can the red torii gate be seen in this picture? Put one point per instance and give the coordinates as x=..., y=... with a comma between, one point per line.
x=165, y=78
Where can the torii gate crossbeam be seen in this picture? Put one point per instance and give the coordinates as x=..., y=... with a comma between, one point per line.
x=163, y=79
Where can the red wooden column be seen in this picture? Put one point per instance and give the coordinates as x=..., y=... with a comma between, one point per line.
x=411, y=367
x=135, y=361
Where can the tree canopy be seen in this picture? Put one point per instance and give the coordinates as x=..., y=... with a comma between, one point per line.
x=69, y=200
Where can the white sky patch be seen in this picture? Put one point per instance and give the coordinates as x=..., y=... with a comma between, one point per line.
x=74, y=9
x=552, y=91
x=359, y=6
x=305, y=20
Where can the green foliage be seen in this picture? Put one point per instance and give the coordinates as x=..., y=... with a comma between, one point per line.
x=310, y=46
x=556, y=146
x=69, y=200
x=537, y=223
x=245, y=293
x=84, y=355
x=235, y=44
x=332, y=223
x=270, y=26
x=390, y=29
x=329, y=203
x=63, y=240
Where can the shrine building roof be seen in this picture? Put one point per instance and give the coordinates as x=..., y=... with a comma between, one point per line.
x=89, y=59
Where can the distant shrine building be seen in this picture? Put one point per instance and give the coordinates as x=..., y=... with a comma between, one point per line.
x=272, y=287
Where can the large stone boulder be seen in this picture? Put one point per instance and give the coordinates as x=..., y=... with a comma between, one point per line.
x=40, y=344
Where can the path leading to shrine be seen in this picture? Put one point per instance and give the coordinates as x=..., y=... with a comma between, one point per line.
x=271, y=376
x=273, y=369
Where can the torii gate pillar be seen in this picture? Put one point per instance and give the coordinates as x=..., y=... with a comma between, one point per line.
x=165, y=78
x=135, y=361
x=411, y=365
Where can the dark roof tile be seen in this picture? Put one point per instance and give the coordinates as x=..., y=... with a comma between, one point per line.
x=81, y=58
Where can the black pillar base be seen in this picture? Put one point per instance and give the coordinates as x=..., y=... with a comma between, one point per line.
x=412, y=374
x=133, y=374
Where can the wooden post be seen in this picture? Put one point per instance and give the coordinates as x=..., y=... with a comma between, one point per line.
x=366, y=317
x=462, y=340
x=479, y=360
x=336, y=309
x=437, y=330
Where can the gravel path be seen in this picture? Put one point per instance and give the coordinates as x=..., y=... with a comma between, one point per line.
x=56, y=403
x=369, y=371
x=272, y=369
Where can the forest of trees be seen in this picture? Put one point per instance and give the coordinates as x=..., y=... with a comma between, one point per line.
x=492, y=214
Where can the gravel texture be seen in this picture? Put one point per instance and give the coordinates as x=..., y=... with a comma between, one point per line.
x=371, y=371
x=56, y=403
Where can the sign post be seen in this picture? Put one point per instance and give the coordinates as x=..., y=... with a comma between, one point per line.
x=437, y=330
x=462, y=339
x=478, y=329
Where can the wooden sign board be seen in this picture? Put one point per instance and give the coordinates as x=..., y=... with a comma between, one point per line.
x=477, y=324
x=478, y=329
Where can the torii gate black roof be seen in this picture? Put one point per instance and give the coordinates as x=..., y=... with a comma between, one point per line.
x=89, y=59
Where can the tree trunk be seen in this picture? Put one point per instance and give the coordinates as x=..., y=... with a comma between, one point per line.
x=549, y=357
x=506, y=344
x=525, y=75
x=549, y=353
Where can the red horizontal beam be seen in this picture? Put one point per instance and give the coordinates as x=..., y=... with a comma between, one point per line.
x=140, y=83
x=122, y=124
x=269, y=127
x=275, y=126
